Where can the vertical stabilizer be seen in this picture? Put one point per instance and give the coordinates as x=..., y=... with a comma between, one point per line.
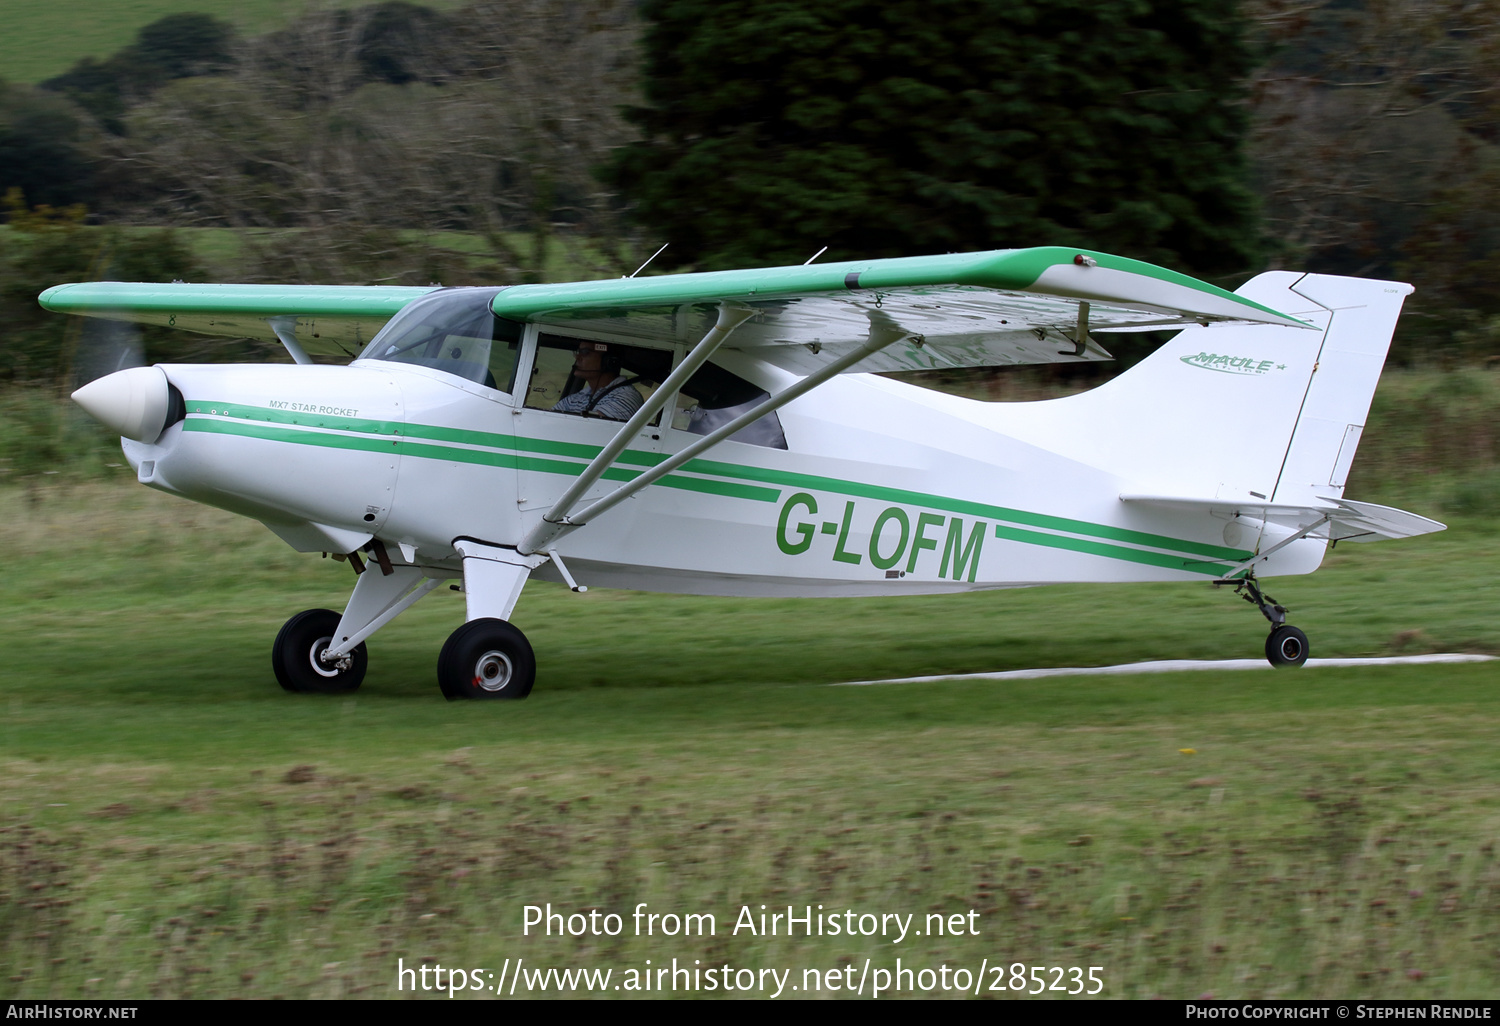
x=1362, y=318
x=1236, y=412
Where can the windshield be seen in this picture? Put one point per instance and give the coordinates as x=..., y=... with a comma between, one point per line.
x=452, y=330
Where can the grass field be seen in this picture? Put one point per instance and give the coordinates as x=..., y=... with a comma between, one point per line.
x=44, y=38
x=176, y=825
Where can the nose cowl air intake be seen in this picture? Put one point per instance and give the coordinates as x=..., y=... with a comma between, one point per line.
x=133, y=403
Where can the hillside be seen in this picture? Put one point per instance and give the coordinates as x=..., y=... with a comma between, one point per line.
x=43, y=38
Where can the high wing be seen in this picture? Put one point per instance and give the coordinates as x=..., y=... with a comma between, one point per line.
x=957, y=310
x=329, y=320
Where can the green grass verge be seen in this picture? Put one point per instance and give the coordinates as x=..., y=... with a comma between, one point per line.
x=175, y=825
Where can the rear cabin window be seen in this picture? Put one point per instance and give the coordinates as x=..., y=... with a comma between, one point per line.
x=714, y=396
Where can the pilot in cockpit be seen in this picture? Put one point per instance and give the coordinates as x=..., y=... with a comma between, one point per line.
x=606, y=393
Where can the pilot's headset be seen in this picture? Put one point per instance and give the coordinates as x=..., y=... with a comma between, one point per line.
x=609, y=359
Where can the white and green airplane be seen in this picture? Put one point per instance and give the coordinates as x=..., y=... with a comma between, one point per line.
x=723, y=434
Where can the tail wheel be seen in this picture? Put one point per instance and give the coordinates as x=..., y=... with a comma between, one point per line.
x=305, y=637
x=1287, y=646
x=486, y=659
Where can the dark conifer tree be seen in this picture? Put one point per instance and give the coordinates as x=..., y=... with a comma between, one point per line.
x=773, y=127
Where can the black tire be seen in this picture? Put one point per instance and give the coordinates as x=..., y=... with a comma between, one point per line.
x=486, y=659
x=1287, y=646
x=294, y=656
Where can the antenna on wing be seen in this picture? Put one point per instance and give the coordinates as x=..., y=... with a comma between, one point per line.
x=650, y=258
x=815, y=256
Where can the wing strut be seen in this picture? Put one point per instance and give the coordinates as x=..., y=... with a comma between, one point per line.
x=883, y=332
x=1081, y=335
x=286, y=330
x=731, y=316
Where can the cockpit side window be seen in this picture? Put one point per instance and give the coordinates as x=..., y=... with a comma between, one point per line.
x=602, y=380
x=455, y=331
x=714, y=396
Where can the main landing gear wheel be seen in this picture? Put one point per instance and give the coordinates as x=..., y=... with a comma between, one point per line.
x=484, y=659
x=1287, y=646
x=294, y=656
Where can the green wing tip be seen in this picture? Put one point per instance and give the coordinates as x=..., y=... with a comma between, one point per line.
x=48, y=296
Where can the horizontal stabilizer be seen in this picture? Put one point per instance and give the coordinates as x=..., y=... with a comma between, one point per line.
x=1345, y=519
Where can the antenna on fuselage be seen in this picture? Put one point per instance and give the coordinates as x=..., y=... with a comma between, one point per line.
x=815, y=256
x=650, y=258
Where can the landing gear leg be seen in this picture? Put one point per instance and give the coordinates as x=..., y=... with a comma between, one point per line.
x=1286, y=646
x=320, y=650
x=488, y=658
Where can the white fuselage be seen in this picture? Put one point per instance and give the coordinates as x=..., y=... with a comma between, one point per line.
x=884, y=488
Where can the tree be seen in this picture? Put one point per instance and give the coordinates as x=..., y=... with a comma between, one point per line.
x=778, y=126
x=402, y=42
x=1374, y=147
x=520, y=108
x=184, y=46
x=45, y=150
x=173, y=47
x=44, y=246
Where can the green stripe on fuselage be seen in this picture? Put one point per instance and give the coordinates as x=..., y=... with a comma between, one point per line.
x=975, y=509
x=1094, y=548
x=482, y=457
x=432, y=432
x=518, y=444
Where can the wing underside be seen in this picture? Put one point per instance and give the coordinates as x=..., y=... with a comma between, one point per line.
x=956, y=310
x=956, y=327
x=329, y=320
x=1002, y=307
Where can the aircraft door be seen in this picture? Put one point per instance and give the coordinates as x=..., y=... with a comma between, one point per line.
x=457, y=473
x=579, y=394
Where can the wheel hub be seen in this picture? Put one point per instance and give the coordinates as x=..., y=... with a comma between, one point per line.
x=493, y=671
x=322, y=665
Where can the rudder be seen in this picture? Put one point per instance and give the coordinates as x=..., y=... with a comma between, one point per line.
x=1362, y=319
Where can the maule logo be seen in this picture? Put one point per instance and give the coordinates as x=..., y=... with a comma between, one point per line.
x=1232, y=364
